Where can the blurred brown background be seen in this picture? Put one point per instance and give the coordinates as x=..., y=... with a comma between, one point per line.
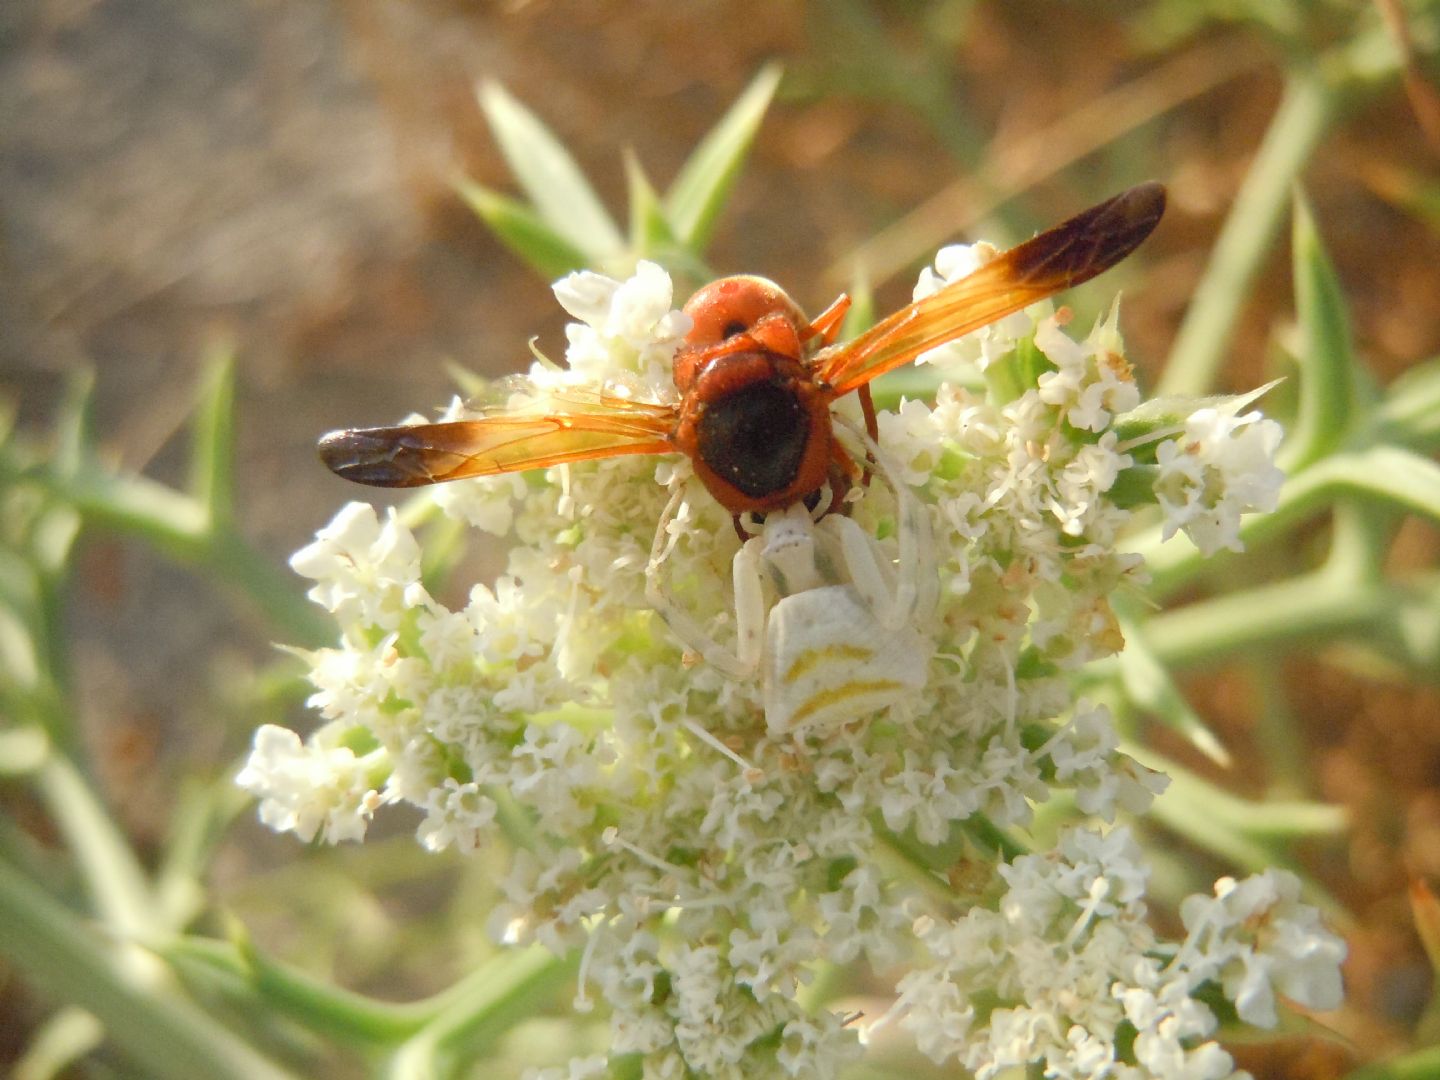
x=274, y=178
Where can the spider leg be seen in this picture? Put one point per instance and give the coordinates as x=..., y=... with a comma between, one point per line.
x=916, y=589
x=683, y=625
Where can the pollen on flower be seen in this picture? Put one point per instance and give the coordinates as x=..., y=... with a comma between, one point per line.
x=705, y=858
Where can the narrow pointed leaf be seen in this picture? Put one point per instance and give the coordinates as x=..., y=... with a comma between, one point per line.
x=698, y=194
x=212, y=454
x=521, y=230
x=1328, y=399
x=650, y=230
x=160, y=1033
x=1387, y=472
x=1151, y=688
x=562, y=196
x=1410, y=413
x=72, y=424
x=1307, y=109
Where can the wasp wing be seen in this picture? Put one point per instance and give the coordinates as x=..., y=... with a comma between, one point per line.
x=567, y=425
x=1070, y=253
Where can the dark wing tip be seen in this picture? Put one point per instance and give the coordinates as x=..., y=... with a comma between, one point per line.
x=1092, y=241
x=368, y=456
x=1143, y=206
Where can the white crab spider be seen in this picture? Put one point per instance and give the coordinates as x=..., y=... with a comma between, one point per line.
x=844, y=637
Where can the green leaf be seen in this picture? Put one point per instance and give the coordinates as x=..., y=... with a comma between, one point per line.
x=72, y=424
x=545, y=170
x=1160, y=417
x=1306, y=111
x=1385, y=472
x=1151, y=688
x=649, y=228
x=1410, y=413
x=1250, y=834
x=520, y=229
x=1328, y=391
x=212, y=454
x=253, y=982
x=698, y=194
x=67, y=960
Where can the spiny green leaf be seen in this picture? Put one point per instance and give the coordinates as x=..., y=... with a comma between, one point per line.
x=1410, y=413
x=520, y=229
x=545, y=170
x=699, y=192
x=1306, y=111
x=1328, y=392
x=650, y=230
x=1151, y=688
x=72, y=424
x=1385, y=472
x=212, y=453
x=1158, y=415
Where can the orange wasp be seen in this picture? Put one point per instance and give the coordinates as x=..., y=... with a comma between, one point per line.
x=756, y=380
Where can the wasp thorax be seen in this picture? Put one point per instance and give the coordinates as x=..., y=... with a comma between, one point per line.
x=734, y=305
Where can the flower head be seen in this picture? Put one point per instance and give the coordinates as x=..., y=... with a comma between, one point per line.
x=704, y=854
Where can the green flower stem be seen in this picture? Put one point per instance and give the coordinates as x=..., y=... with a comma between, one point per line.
x=252, y=980
x=1313, y=607
x=178, y=525
x=113, y=877
x=1248, y=835
x=1381, y=473
x=902, y=860
x=479, y=1009
x=1421, y=1065
x=1307, y=109
x=164, y=1035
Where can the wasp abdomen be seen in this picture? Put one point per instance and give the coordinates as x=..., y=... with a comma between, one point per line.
x=755, y=438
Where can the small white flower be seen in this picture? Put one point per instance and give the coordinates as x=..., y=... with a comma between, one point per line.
x=910, y=438
x=456, y=814
x=309, y=790
x=626, y=327
x=1093, y=382
x=361, y=568
x=1257, y=937
x=1221, y=467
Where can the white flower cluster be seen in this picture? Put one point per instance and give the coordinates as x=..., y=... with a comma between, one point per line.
x=707, y=865
x=1221, y=467
x=1070, y=971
